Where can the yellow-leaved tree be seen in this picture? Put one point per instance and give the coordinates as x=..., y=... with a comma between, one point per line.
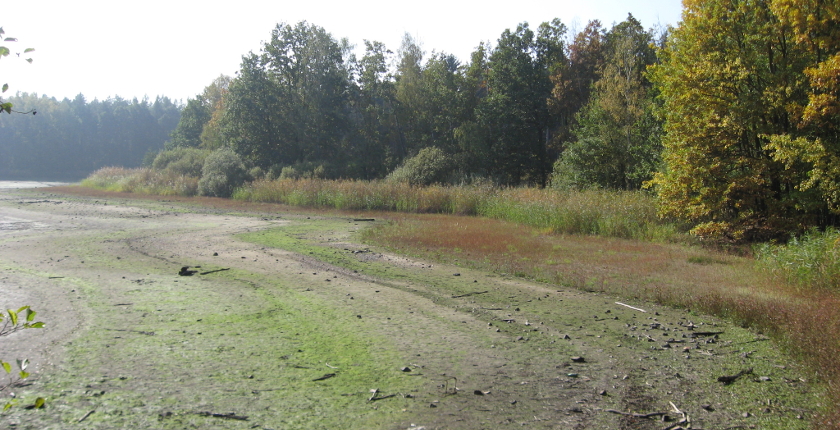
x=814, y=142
x=728, y=76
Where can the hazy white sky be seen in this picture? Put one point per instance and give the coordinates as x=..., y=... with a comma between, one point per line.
x=177, y=47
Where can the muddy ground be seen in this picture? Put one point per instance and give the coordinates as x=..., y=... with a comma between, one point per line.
x=286, y=321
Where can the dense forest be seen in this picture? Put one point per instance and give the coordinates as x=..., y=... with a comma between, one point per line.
x=506, y=115
x=68, y=139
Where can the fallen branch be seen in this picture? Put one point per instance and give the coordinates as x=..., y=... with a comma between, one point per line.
x=214, y=271
x=327, y=376
x=631, y=307
x=364, y=219
x=228, y=416
x=147, y=333
x=704, y=333
x=86, y=415
x=474, y=293
x=630, y=414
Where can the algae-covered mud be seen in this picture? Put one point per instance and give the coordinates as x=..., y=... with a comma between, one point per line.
x=170, y=315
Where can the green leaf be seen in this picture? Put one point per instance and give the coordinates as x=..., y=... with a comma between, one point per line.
x=39, y=403
x=10, y=39
x=7, y=406
x=23, y=374
x=28, y=50
x=38, y=324
x=29, y=60
x=30, y=315
x=23, y=364
x=7, y=367
x=4, y=51
x=13, y=314
x=5, y=87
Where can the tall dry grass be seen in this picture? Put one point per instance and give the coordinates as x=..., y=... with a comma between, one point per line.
x=142, y=181
x=606, y=213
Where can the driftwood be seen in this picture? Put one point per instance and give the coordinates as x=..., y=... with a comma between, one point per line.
x=732, y=378
x=228, y=416
x=474, y=293
x=704, y=333
x=86, y=415
x=630, y=414
x=327, y=376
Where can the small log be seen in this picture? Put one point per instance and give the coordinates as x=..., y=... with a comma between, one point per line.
x=327, y=376
x=630, y=414
x=86, y=416
x=228, y=416
x=474, y=293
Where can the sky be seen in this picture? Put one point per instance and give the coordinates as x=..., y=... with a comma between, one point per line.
x=175, y=48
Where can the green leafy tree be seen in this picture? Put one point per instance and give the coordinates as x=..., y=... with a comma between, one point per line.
x=376, y=139
x=289, y=103
x=572, y=84
x=617, y=139
x=727, y=78
x=515, y=112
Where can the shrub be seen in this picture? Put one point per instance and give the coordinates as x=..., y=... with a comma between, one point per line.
x=181, y=161
x=222, y=173
x=430, y=166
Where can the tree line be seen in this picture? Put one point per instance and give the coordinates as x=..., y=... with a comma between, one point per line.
x=68, y=139
x=307, y=101
x=732, y=117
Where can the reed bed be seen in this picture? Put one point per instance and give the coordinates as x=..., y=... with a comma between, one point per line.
x=630, y=215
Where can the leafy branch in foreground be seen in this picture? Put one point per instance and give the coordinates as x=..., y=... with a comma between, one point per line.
x=4, y=52
x=11, y=322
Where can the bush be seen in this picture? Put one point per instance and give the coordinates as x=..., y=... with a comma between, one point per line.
x=430, y=166
x=222, y=173
x=181, y=161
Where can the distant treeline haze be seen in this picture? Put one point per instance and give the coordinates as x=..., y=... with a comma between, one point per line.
x=68, y=139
